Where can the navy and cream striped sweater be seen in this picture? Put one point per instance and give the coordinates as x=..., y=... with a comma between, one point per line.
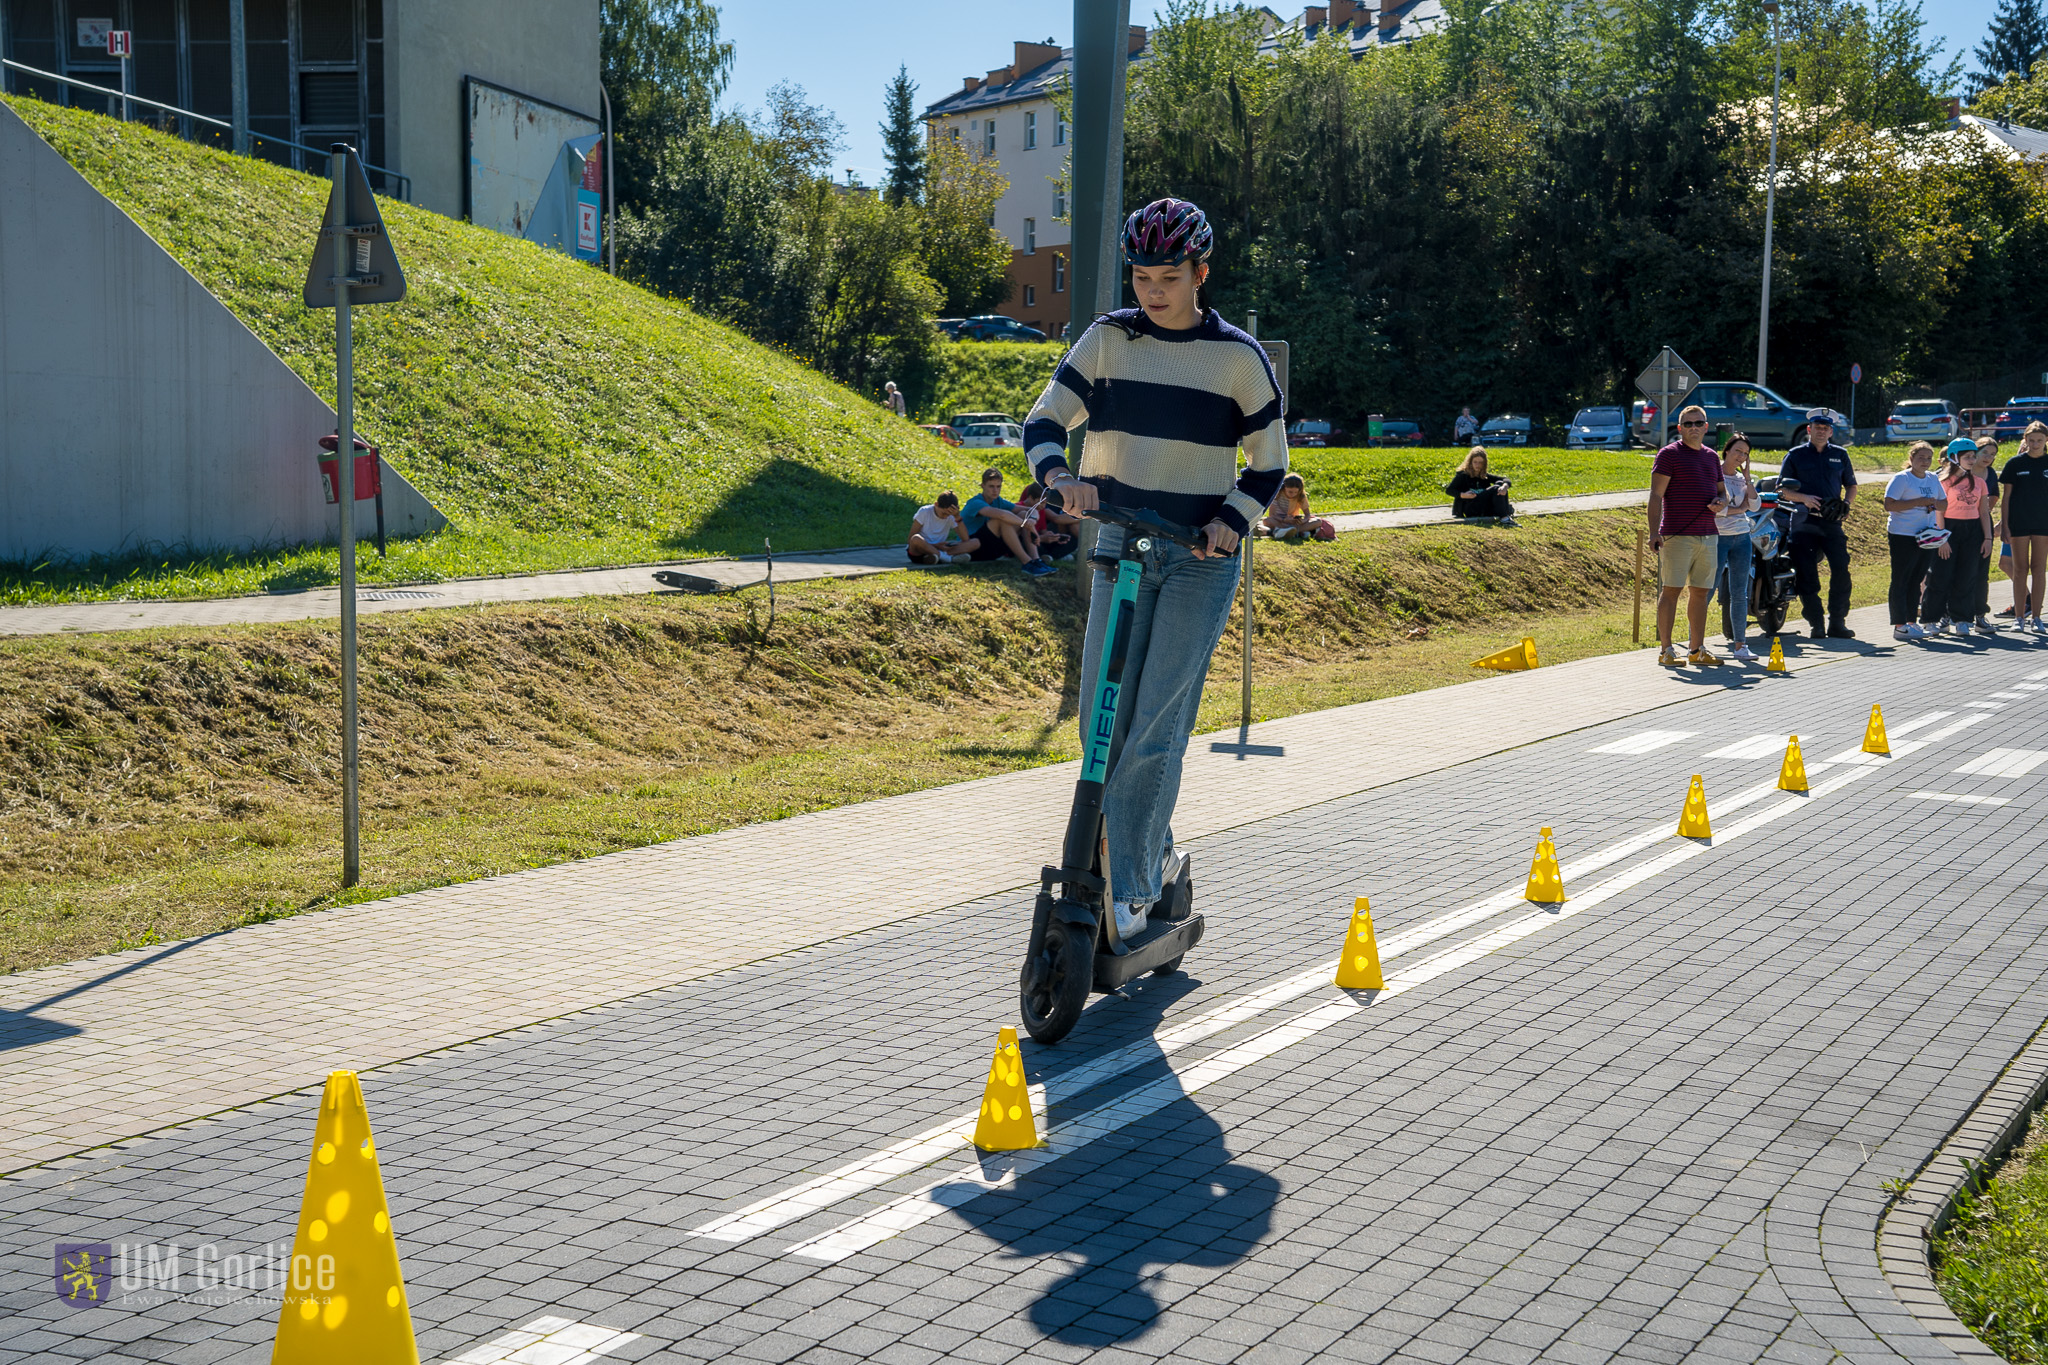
x=1166, y=413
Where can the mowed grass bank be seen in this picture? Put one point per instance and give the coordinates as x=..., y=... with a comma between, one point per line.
x=159, y=784
x=558, y=416
x=1991, y=1262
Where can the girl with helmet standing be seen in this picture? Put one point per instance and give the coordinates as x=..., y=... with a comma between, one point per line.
x=1169, y=391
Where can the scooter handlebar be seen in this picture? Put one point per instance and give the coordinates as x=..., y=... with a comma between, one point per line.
x=1144, y=523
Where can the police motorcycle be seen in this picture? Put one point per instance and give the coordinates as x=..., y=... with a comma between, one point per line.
x=1770, y=538
x=1075, y=947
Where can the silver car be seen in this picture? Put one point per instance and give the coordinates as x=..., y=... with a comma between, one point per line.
x=987, y=435
x=1598, y=429
x=1923, y=419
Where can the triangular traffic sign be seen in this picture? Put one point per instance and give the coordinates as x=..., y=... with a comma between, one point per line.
x=1668, y=375
x=374, y=275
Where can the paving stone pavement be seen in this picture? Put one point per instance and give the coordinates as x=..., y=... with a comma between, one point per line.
x=324, y=604
x=110, y=1047
x=1649, y=1125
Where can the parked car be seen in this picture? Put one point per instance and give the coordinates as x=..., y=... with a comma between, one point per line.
x=1311, y=434
x=950, y=326
x=942, y=431
x=960, y=421
x=983, y=435
x=1762, y=415
x=1397, y=431
x=1598, y=429
x=2015, y=416
x=1642, y=422
x=1923, y=419
x=996, y=327
x=1511, y=429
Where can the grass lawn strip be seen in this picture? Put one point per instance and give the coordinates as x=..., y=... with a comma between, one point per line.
x=158, y=784
x=1991, y=1261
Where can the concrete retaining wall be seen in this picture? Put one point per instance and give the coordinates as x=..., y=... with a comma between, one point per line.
x=136, y=411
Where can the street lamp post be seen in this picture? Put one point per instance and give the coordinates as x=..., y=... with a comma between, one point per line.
x=1763, y=322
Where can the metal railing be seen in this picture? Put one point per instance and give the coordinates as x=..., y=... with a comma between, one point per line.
x=402, y=183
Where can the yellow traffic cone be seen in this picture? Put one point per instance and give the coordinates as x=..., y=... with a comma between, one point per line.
x=1513, y=659
x=344, y=1299
x=1777, y=661
x=1546, y=883
x=1359, y=968
x=1874, y=741
x=1006, y=1124
x=1693, y=824
x=1792, y=776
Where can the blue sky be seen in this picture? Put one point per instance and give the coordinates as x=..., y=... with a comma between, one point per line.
x=844, y=55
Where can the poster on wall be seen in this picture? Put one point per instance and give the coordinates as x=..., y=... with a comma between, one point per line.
x=514, y=143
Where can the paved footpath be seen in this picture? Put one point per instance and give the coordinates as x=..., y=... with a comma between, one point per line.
x=324, y=604
x=1651, y=1124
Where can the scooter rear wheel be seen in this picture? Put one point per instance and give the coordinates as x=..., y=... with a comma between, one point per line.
x=1051, y=1012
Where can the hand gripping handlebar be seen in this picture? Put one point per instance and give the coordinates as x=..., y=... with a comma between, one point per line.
x=1143, y=523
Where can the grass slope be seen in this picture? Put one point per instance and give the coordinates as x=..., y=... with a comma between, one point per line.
x=558, y=416
x=164, y=783
x=1991, y=1261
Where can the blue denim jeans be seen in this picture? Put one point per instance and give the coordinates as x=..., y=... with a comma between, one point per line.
x=1183, y=604
x=1731, y=574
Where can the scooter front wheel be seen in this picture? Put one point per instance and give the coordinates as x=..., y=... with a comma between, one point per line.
x=1051, y=1011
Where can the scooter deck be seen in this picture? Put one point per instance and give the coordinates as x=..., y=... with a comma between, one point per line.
x=1157, y=946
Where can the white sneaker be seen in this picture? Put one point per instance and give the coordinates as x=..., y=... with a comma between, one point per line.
x=1905, y=632
x=1943, y=627
x=1917, y=632
x=1741, y=654
x=1128, y=921
x=1963, y=629
x=2038, y=628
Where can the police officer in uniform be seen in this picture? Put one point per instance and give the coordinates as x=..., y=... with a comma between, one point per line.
x=1827, y=488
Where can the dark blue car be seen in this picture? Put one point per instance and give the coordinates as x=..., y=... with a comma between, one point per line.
x=2017, y=413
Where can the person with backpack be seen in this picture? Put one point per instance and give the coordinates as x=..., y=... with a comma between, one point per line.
x=1170, y=392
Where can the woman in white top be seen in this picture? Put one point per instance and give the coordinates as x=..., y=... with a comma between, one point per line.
x=1912, y=501
x=1732, y=566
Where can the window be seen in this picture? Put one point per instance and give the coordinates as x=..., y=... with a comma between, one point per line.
x=956, y=132
x=1030, y=129
x=1059, y=272
x=1030, y=236
x=988, y=136
x=1059, y=201
x=1059, y=128
x=1030, y=295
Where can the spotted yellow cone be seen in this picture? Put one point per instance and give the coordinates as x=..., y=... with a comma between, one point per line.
x=344, y=1299
x=1513, y=659
x=1792, y=776
x=1777, y=660
x=1546, y=882
x=1006, y=1124
x=1874, y=740
x=1694, y=824
x=1359, y=968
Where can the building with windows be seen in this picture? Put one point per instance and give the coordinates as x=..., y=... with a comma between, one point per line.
x=1363, y=27
x=432, y=92
x=1009, y=115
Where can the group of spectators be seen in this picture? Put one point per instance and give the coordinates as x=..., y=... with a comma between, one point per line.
x=991, y=527
x=1941, y=529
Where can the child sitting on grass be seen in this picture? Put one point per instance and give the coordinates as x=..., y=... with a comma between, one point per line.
x=935, y=534
x=1289, y=517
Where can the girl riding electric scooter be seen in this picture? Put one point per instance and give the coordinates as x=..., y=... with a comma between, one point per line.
x=1170, y=392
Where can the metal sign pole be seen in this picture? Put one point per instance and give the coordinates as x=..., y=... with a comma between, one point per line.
x=1101, y=62
x=1244, y=714
x=1663, y=400
x=345, y=448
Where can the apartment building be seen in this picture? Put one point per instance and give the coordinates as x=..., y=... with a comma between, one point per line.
x=1009, y=116
x=468, y=100
x=1364, y=27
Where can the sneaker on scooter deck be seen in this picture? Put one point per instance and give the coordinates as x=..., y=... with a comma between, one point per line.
x=1075, y=946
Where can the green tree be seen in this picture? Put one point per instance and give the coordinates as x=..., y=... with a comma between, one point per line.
x=903, y=139
x=2017, y=38
x=2017, y=99
x=966, y=258
x=664, y=66
x=877, y=302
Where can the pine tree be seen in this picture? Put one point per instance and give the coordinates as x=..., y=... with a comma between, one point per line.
x=2018, y=38
x=903, y=141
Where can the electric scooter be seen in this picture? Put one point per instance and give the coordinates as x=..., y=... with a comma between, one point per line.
x=1075, y=946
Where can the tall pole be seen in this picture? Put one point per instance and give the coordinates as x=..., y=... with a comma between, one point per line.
x=611, y=214
x=1244, y=713
x=345, y=447
x=1763, y=324
x=238, y=76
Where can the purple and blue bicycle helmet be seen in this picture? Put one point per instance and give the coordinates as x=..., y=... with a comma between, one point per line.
x=1166, y=232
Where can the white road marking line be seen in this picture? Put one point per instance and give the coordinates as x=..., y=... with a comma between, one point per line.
x=2008, y=696
x=1756, y=746
x=547, y=1341
x=2030, y=687
x=2006, y=763
x=1961, y=799
x=955, y=1134
x=2037, y=677
x=1858, y=758
x=1987, y=705
x=968, y=1183
x=1644, y=743
x=1919, y=722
